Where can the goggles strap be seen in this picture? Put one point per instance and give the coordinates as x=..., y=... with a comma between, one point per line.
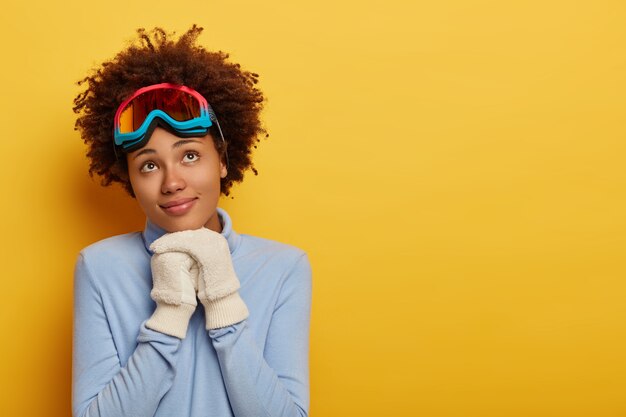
x=214, y=118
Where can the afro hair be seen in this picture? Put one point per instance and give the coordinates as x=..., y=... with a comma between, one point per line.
x=157, y=57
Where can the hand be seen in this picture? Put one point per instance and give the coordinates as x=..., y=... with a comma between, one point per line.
x=217, y=282
x=174, y=284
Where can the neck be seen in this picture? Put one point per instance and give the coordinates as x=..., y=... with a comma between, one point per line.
x=214, y=223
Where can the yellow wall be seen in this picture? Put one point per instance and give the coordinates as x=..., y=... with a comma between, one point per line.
x=455, y=170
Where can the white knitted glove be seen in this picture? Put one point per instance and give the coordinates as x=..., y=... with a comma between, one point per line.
x=217, y=282
x=174, y=277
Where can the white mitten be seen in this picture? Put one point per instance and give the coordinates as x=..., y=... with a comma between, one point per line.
x=217, y=282
x=174, y=278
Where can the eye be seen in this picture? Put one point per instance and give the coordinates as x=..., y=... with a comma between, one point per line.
x=191, y=157
x=148, y=166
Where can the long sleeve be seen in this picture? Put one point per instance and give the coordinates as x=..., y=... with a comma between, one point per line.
x=100, y=385
x=273, y=381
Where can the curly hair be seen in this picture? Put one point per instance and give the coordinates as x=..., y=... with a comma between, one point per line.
x=156, y=58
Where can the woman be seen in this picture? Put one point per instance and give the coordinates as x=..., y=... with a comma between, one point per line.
x=143, y=345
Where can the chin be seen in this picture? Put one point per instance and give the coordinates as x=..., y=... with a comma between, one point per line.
x=183, y=224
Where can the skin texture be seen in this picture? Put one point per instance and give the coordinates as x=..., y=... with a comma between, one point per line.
x=169, y=168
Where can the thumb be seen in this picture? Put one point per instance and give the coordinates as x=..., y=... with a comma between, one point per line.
x=194, y=273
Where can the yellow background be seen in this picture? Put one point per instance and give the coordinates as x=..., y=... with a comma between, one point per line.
x=455, y=170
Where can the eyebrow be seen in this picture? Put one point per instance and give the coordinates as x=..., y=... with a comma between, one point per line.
x=176, y=144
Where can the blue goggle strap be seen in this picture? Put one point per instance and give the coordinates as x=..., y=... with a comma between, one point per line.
x=197, y=125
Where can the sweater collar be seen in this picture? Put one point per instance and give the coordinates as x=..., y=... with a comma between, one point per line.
x=152, y=232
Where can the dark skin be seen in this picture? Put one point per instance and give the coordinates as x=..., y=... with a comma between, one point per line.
x=157, y=57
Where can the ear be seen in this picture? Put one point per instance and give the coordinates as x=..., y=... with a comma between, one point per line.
x=223, y=170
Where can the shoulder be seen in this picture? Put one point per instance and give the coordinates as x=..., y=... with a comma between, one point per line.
x=113, y=249
x=267, y=249
x=118, y=263
x=275, y=261
x=114, y=245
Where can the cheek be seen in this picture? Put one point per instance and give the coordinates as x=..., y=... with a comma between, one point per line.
x=144, y=189
x=206, y=187
x=207, y=182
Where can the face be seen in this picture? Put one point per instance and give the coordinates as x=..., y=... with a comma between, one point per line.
x=177, y=181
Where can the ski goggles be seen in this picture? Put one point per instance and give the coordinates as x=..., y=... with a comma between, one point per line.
x=177, y=108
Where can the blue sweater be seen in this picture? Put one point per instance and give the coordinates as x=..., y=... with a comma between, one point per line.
x=255, y=368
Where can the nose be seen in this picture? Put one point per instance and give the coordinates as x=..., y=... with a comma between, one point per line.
x=172, y=181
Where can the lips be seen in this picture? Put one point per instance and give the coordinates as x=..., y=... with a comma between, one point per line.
x=176, y=202
x=178, y=207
